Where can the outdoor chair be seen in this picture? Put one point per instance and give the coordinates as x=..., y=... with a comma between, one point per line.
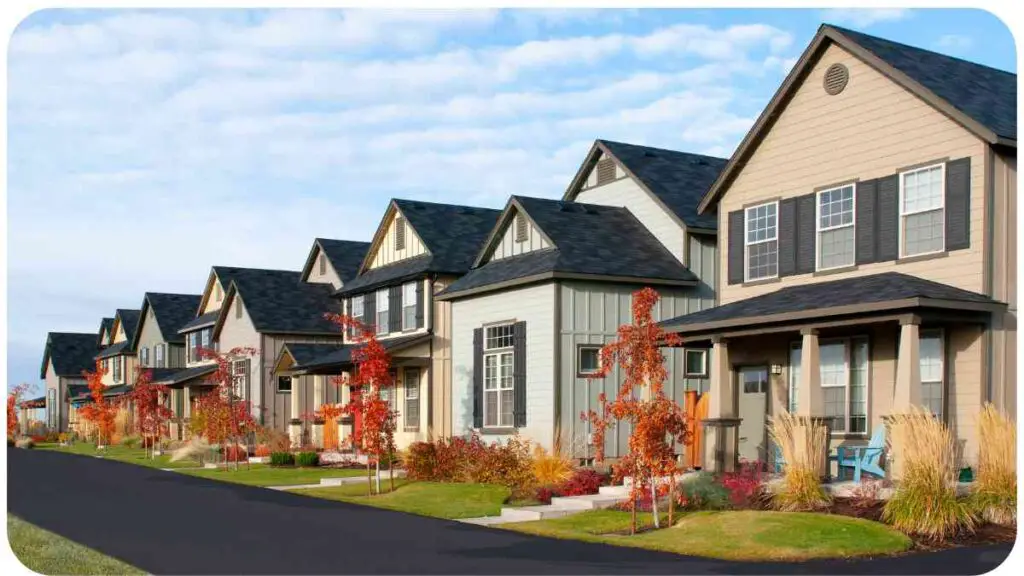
x=864, y=458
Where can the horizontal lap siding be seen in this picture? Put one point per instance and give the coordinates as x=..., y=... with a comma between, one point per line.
x=870, y=130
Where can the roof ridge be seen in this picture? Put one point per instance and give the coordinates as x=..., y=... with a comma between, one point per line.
x=673, y=151
x=449, y=205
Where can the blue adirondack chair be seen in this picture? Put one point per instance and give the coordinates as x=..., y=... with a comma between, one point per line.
x=863, y=458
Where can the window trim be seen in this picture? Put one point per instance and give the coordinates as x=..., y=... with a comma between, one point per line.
x=497, y=354
x=406, y=306
x=291, y=385
x=818, y=229
x=158, y=355
x=704, y=363
x=406, y=399
x=352, y=306
x=383, y=305
x=747, y=244
x=580, y=372
x=941, y=334
x=903, y=215
x=847, y=361
x=144, y=356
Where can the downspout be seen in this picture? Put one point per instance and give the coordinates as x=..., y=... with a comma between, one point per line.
x=263, y=407
x=557, y=432
x=430, y=368
x=989, y=259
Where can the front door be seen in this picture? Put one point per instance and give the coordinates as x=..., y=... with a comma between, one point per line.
x=752, y=397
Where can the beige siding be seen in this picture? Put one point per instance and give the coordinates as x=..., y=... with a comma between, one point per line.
x=871, y=129
x=240, y=333
x=330, y=276
x=215, y=296
x=1004, y=282
x=508, y=246
x=385, y=253
x=276, y=407
x=440, y=426
x=966, y=386
x=404, y=434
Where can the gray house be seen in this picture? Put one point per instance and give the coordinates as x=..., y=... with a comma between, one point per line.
x=66, y=356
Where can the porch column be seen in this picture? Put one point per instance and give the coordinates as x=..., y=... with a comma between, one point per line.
x=345, y=421
x=295, y=424
x=319, y=386
x=809, y=398
x=908, y=366
x=721, y=427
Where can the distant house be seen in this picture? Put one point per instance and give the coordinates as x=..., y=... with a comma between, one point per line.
x=66, y=356
x=118, y=356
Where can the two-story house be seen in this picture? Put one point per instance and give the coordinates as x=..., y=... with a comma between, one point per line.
x=66, y=356
x=419, y=248
x=554, y=281
x=868, y=254
x=118, y=356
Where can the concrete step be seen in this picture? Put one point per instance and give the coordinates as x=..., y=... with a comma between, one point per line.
x=588, y=502
x=544, y=512
x=620, y=491
x=385, y=476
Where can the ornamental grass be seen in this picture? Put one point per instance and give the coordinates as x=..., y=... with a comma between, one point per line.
x=994, y=493
x=925, y=502
x=803, y=444
x=550, y=468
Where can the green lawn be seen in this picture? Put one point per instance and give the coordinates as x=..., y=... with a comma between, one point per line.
x=740, y=535
x=121, y=454
x=264, y=475
x=47, y=553
x=435, y=499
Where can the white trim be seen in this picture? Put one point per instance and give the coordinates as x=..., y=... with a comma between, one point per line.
x=902, y=215
x=818, y=229
x=382, y=327
x=409, y=304
x=704, y=363
x=579, y=358
x=747, y=243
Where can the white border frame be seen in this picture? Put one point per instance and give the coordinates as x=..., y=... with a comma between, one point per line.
x=747, y=244
x=942, y=206
x=818, y=229
x=704, y=363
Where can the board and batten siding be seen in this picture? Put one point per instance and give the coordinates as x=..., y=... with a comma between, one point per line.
x=1004, y=282
x=439, y=382
x=870, y=130
x=534, y=305
x=591, y=313
x=277, y=406
x=509, y=246
x=386, y=253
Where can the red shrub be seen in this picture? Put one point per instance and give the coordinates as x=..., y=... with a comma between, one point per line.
x=582, y=482
x=263, y=450
x=744, y=485
x=544, y=494
x=235, y=453
x=420, y=461
x=38, y=438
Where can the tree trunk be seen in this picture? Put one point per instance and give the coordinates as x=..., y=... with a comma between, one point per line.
x=378, y=474
x=632, y=518
x=654, y=500
x=391, y=468
x=671, y=497
x=369, y=478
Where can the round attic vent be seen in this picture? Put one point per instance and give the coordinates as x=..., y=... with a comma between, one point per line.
x=836, y=78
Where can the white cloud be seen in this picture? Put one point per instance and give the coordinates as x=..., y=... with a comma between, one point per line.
x=864, y=17
x=954, y=43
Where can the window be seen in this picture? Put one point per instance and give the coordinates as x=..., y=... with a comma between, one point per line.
x=238, y=308
x=158, y=353
x=412, y=399
x=323, y=264
x=205, y=338
x=117, y=368
x=794, y=375
x=382, y=311
x=754, y=380
x=588, y=360
x=399, y=233
x=239, y=376
x=51, y=408
x=762, y=241
x=408, y=305
x=844, y=382
x=144, y=356
x=696, y=363
x=932, y=372
x=836, y=237
x=284, y=384
x=522, y=231
x=357, y=307
x=922, y=211
x=498, y=395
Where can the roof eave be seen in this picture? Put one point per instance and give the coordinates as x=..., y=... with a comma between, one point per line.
x=543, y=276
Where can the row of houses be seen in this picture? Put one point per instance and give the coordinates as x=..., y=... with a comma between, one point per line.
x=855, y=256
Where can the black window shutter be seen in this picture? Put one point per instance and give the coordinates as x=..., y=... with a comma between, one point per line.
x=806, y=213
x=958, y=204
x=888, y=218
x=370, y=308
x=247, y=390
x=478, y=378
x=867, y=222
x=519, y=373
x=736, y=247
x=395, y=309
x=787, y=237
x=419, y=303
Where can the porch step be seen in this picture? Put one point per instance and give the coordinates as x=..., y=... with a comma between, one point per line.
x=620, y=491
x=544, y=512
x=587, y=502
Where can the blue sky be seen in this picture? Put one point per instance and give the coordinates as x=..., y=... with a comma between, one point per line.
x=146, y=146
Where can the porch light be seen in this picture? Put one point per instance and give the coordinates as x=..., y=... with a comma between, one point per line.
x=776, y=369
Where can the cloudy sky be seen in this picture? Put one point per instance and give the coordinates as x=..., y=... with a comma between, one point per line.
x=146, y=146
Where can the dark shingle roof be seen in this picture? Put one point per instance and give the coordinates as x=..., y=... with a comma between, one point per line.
x=343, y=356
x=304, y=353
x=172, y=311
x=129, y=321
x=452, y=234
x=873, y=289
x=208, y=319
x=182, y=376
x=122, y=347
x=70, y=352
x=987, y=95
x=678, y=179
x=105, y=325
x=345, y=256
x=278, y=301
x=588, y=239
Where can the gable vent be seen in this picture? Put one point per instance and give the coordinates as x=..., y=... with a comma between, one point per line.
x=836, y=78
x=399, y=233
x=521, y=230
x=605, y=171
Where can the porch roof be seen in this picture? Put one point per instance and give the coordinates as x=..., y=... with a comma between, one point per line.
x=863, y=295
x=342, y=358
x=34, y=403
x=181, y=377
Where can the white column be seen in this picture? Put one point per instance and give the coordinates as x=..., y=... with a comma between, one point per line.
x=908, y=366
x=809, y=398
x=723, y=390
x=295, y=425
x=319, y=388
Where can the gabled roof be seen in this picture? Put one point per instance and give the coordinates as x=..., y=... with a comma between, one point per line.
x=885, y=291
x=129, y=321
x=981, y=99
x=223, y=273
x=182, y=376
x=587, y=241
x=451, y=234
x=342, y=357
x=303, y=353
x=208, y=319
x=105, y=326
x=71, y=353
x=345, y=257
x=121, y=348
x=278, y=301
x=675, y=180
x=171, y=311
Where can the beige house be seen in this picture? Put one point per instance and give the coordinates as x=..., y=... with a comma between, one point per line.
x=867, y=256
x=118, y=356
x=66, y=356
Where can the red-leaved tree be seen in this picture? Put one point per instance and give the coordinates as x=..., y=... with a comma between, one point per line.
x=225, y=417
x=151, y=413
x=373, y=374
x=14, y=399
x=101, y=411
x=657, y=423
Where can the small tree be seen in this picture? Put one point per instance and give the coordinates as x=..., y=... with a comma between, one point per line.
x=373, y=373
x=15, y=397
x=657, y=423
x=101, y=412
x=151, y=415
x=226, y=418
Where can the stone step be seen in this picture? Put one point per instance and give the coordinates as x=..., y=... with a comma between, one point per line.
x=588, y=502
x=385, y=476
x=544, y=512
x=620, y=491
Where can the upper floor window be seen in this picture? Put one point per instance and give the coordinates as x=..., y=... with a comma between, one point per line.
x=193, y=346
x=922, y=211
x=400, y=233
x=836, y=238
x=588, y=360
x=117, y=368
x=205, y=338
x=382, y=311
x=408, y=305
x=762, y=241
x=144, y=356
x=158, y=353
x=356, y=307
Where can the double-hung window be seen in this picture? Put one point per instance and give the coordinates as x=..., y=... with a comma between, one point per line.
x=498, y=366
x=922, y=211
x=408, y=306
x=843, y=374
x=383, y=302
x=762, y=241
x=356, y=307
x=932, y=372
x=238, y=377
x=836, y=238
x=117, y=368
x=411, y=385
x=144, y=356
x=158, y=353
x=205, y=338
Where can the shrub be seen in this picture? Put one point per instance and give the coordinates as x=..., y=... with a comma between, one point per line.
x=507, y=464
x=704, y=493
x=235, y=453
x=867, y=494
x=130, y=441
x=461, y=459
x=925, y=501
x=420, y=461
x=544, y=494
x=994, y=493
x=262, y=451
x=745, y=485
x=550, y=468
x=307, y=459
x=52, y=436
x=26, y=443
x=282, y=459
x=803, y=444
x=582, y=482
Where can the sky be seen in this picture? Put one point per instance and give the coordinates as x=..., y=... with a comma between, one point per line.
x=146, y=146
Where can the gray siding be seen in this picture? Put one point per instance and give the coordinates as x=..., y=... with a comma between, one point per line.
x=150, y=336
x=277, y=407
